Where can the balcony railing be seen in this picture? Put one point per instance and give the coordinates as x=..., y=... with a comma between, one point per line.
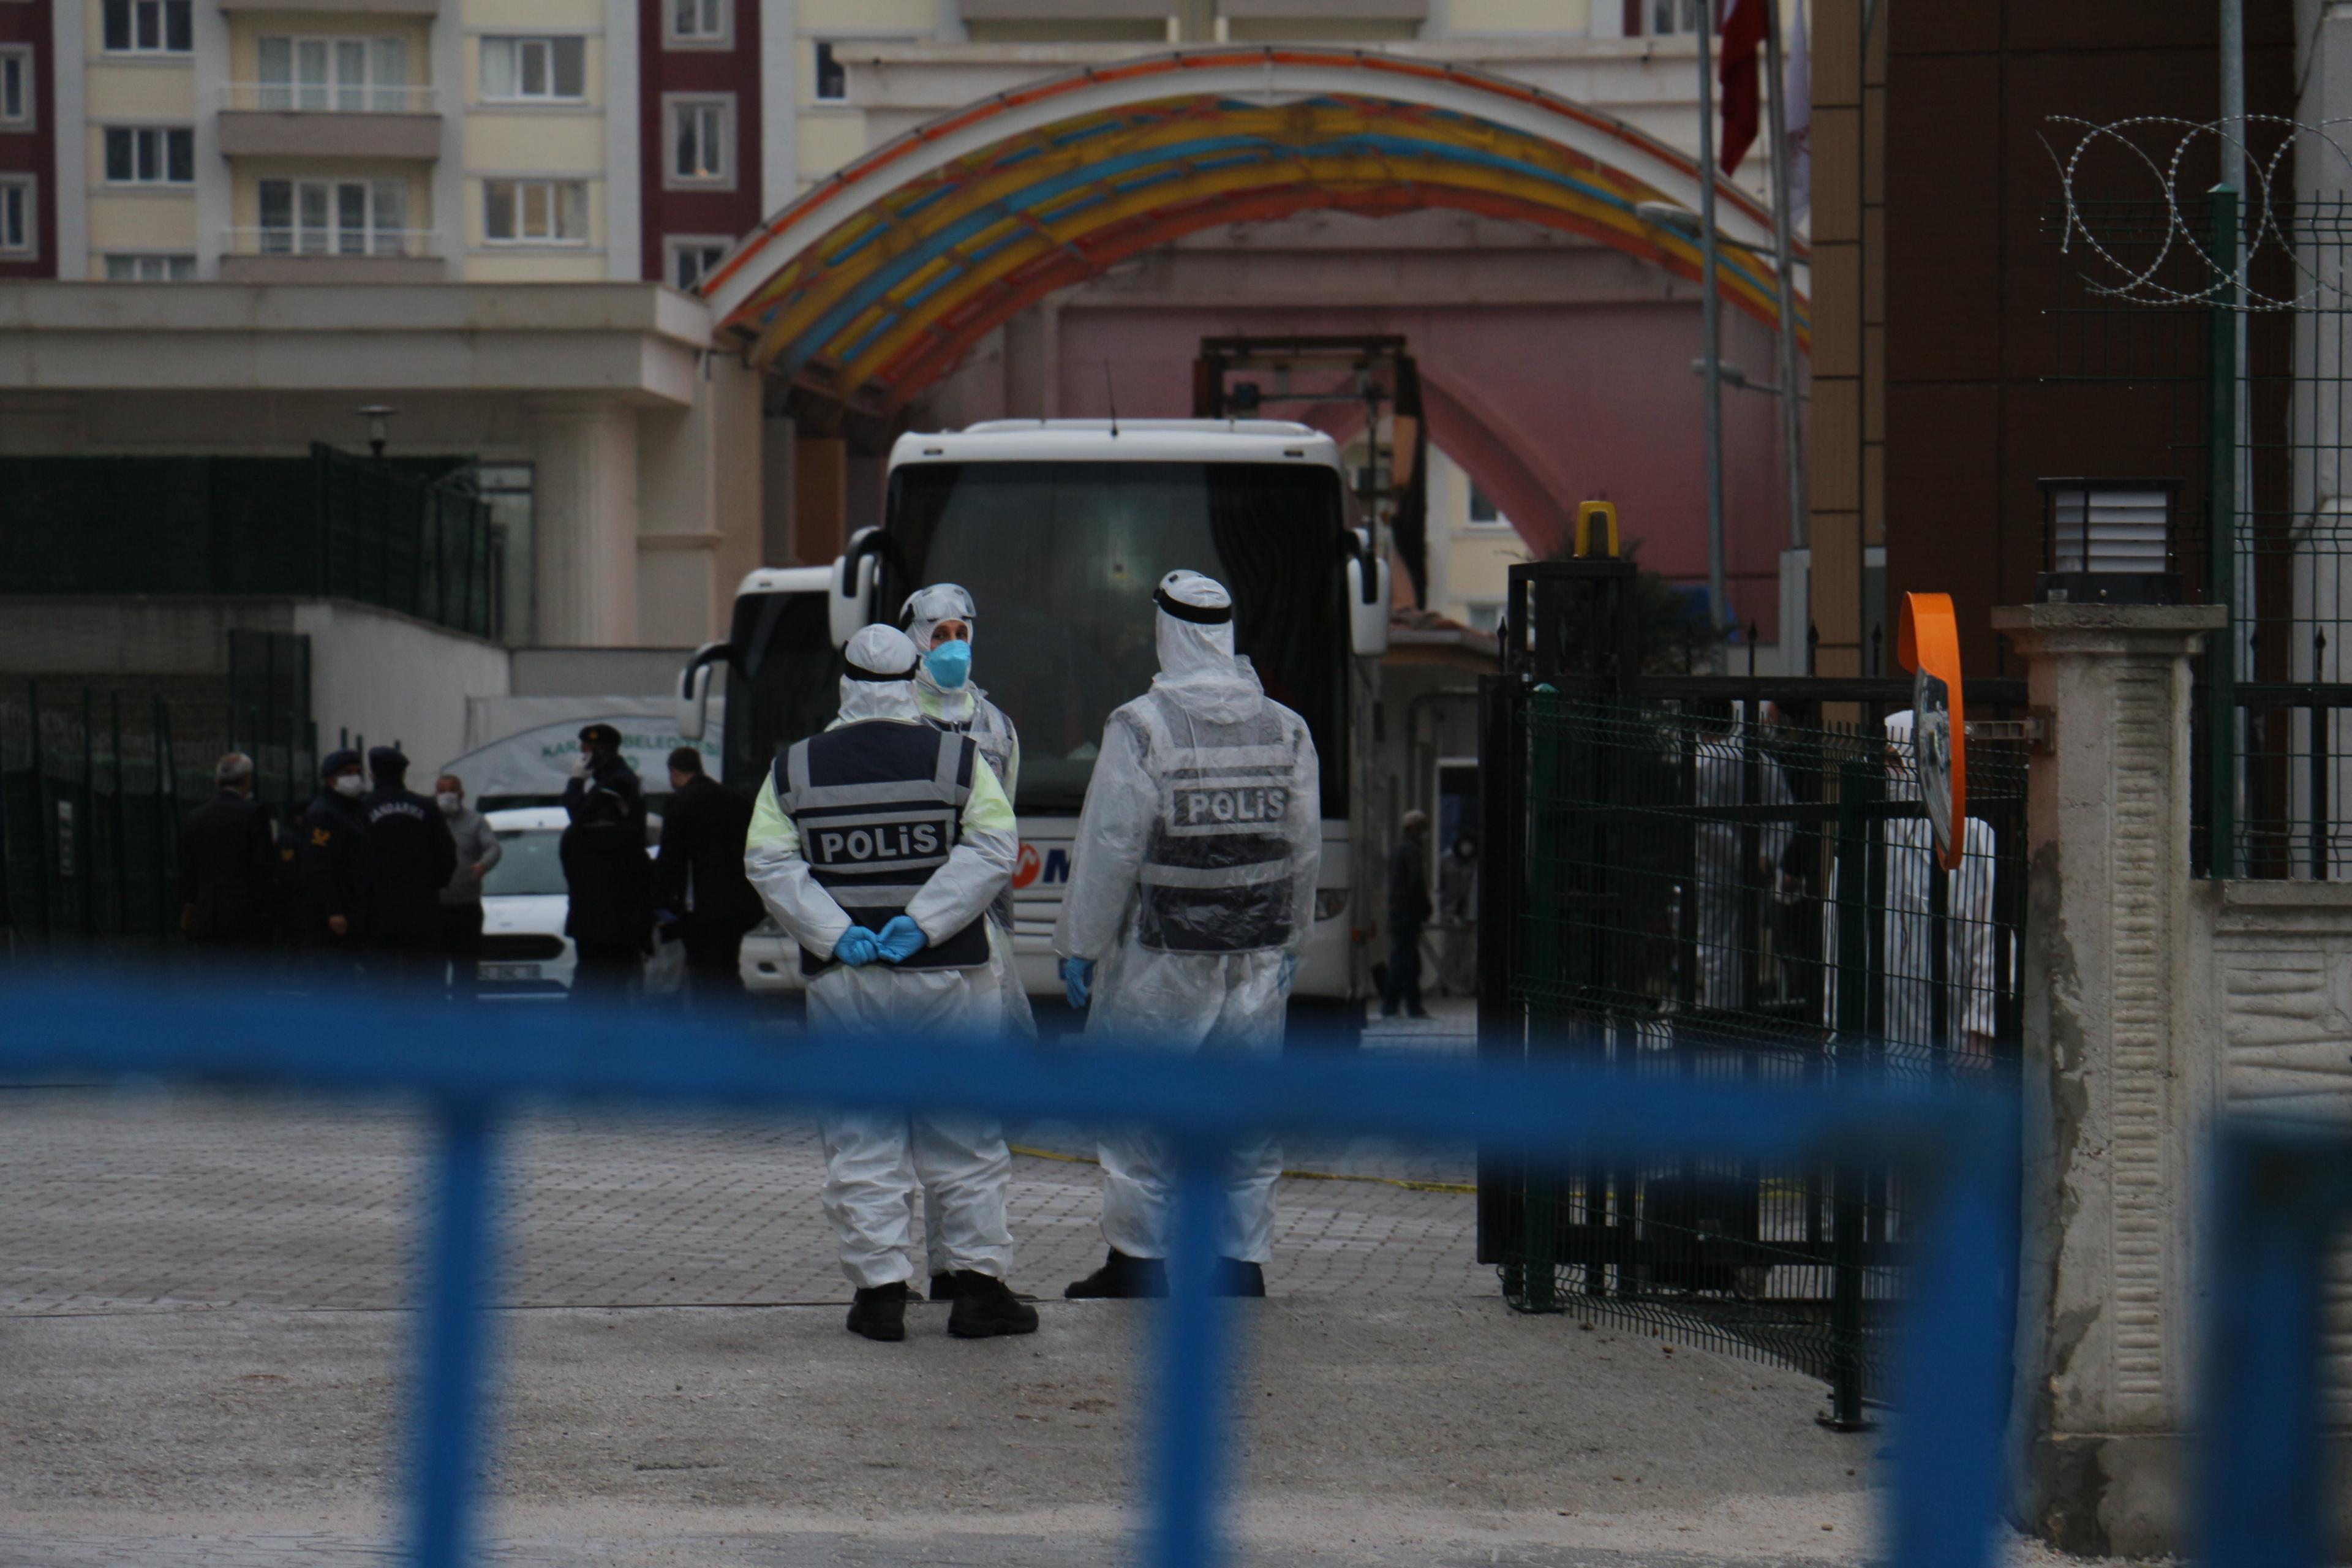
x=420, y=243
x=328, y=98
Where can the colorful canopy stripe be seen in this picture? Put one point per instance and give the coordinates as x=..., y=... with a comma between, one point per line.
x=889, y=298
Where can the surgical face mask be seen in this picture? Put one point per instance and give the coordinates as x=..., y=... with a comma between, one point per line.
x=583, y=765
x=350, y=786
x=450, y=803
x=949, y=664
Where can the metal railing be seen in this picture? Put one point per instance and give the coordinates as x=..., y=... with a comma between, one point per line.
x=423, y=243
x=325, y=97
x=1957, y=1150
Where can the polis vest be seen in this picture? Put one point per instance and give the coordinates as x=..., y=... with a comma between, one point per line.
x=878, y=806
x=1219, y=863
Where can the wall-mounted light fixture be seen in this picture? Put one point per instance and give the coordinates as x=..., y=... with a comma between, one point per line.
x=2107, y=541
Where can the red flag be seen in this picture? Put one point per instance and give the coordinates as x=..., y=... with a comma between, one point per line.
x=1743, y=40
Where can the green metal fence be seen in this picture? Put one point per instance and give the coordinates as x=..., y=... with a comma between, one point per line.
x=1733, y=889
x=407, y=535
x=96, y=785
x=2221, y=318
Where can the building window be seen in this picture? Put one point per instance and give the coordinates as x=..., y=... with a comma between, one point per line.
x=1663, y=18
x=527, y=69
x=1483, y=510
x=692, y=257
x=701, y=141
x=150, y=155
x=704, y=22
x=19, y=225
x=344, y=74
x=334, y=217
x=535, y=212
x=151, y=269
x=16, y=89
x=148, y=27
x=832, y=77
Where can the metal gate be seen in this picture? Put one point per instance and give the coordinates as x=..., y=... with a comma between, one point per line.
x=1729, y=879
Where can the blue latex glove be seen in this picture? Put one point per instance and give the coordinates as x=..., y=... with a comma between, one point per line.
x=1289, y=971
x=1077, y=980
x=857, y=947
x=901, y=939
x=949, y=663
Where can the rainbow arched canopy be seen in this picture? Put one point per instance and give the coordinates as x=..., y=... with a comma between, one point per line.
x=876, y=281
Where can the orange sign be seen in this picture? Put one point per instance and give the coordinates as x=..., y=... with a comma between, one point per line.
x=1928, y=644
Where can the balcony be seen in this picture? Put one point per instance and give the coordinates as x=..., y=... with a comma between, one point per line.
x=313, y=254
x=314, y=119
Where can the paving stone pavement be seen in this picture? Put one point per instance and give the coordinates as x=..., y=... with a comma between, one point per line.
x=144, y=1201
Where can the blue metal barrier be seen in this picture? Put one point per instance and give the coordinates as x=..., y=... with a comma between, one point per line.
x=2283, y=1193
x=1957, y=1153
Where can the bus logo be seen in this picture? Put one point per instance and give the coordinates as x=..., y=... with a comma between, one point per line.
x=1051, y=867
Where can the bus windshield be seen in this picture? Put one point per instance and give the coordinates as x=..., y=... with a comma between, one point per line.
x=788, y=686
x=1061, y=558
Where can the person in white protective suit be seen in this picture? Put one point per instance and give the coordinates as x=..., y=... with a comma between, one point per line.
x=1192, y=891
x=877, y=846
x=939, y=619
x=1732, y=770
x=1971, y=981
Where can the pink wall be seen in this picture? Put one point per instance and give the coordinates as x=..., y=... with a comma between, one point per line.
x=1544, y=406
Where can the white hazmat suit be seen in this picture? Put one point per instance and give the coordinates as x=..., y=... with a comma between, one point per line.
x=1192, y=886
x=1971, y=992
x=966, y=710
x=884, y=814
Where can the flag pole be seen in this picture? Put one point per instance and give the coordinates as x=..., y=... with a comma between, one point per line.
x=1784, y=249
x=1710, y=316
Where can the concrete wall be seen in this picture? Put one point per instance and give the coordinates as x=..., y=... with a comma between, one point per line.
x=394, y=679
x=2156, y=1004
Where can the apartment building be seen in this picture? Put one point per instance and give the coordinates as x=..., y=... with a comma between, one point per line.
x=497, y=212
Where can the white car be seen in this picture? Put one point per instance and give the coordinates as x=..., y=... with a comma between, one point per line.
x=524, y=901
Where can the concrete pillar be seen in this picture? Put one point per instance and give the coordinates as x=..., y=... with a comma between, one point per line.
x=586, y=519
x=2120, y=1081
x=699, y=495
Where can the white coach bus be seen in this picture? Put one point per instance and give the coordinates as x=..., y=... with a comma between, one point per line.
x=1061, y=528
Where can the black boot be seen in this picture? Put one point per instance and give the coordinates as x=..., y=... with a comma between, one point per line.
x=1121, y=1277
x=880, y=1313
x=985, y=1307
x=944, y=1287
x=1236, y=1278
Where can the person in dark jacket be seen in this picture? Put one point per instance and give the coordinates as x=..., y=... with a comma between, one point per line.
x=1407, y=910
x=334, y=869
x=229, y=869
x=414, y=859
x=605, y=869
x=698, y=881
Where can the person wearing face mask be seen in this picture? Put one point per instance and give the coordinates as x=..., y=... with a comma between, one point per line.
x=878, y=845
x=335, y=870
x=478, y=849
x=939, y=620
x=1192, y=891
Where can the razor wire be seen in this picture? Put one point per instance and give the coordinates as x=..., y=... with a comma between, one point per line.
x=2154, y=248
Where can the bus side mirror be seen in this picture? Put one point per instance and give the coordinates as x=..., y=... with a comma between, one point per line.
x=848, y=605
x=1368, y=607
x=694, y=688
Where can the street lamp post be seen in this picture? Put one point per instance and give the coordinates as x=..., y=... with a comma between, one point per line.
x=1711, y=318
